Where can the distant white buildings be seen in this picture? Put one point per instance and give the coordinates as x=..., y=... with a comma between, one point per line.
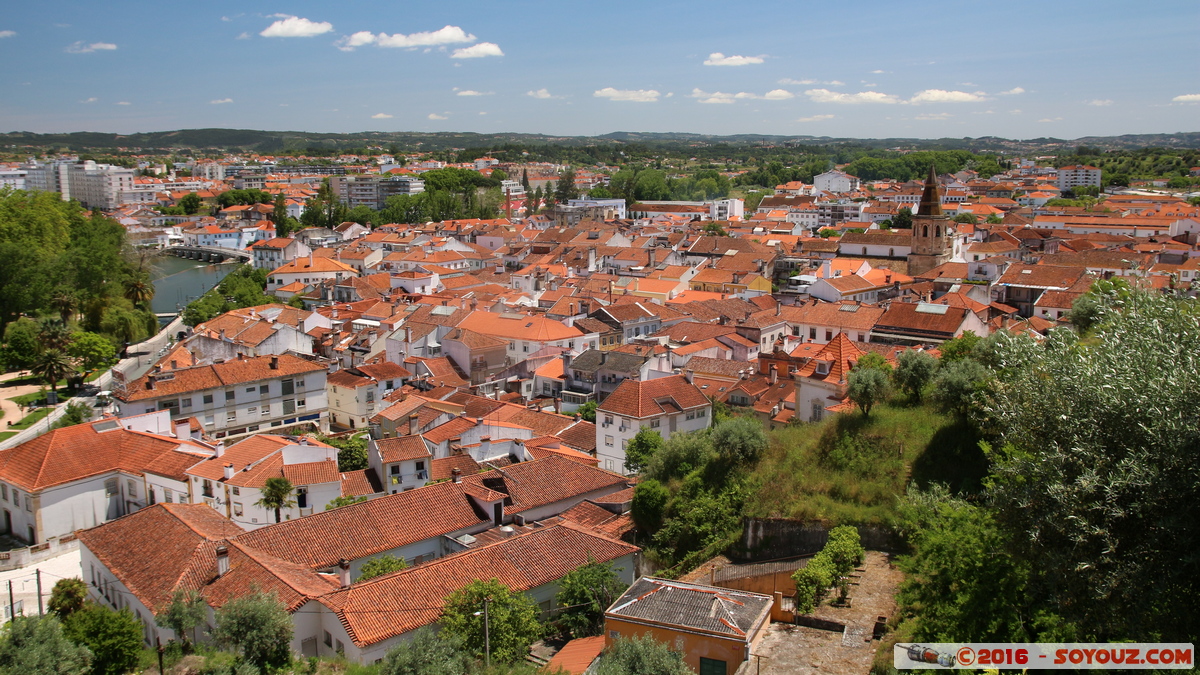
x=96, y=186
x=836, y=182
x=1077, y=175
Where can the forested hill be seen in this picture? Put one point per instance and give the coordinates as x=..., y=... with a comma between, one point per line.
x=213, y=140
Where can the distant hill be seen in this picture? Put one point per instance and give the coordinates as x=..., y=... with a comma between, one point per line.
x=211, y=140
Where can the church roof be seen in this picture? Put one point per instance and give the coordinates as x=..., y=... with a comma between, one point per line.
x=931, y=202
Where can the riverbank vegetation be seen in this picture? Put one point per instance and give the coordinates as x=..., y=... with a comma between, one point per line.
x=244, y=287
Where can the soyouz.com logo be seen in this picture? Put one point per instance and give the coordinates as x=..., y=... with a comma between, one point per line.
x=1043, y=656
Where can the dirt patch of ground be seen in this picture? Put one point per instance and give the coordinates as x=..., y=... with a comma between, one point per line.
x=799, y=650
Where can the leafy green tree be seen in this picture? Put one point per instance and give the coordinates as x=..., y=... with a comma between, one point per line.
x=67, y=597
x=715, y=230
x=1096, y=478
x=344, y=500
x=565, y=190
x=190, y=203
x=739, y=441
x=682, y=454
x=32, y=645
x=258, y=627
x=903, y=219
x=968, y=218
x=959, y=347
x=21, y=344
x=113, y=637
x=587, y=411
x=649, y=505
x=277, y=495
x=512, y=620
x=184, y=614
x=867, y=386
x=352, y=452
x=585, y=593
x=51, y=366
x=914, y=370
x=381, y=565
x=65, y=303
x=641, y=656
x=957, y=382
x=641, y=449
x=91, y=351
x=75, y=413
x=428, y=653
x=812, y=583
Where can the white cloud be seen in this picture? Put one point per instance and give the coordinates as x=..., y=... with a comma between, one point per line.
x=92, y=99
x=1050, y=119
x=446, y=35
x=635, y=95
x=359, y=39
x=220, y=101
x=719, y=59
x=943, y=96
x=1015, y=112
x=244, y=36
x=778, y=95
x=472, y=92
x=542, y=93
x=827, y=96
x=122, y=103
x=87, y=48
x=7, y=33
x=477, y=51
x=815, y=118
x=934, y=116
x=435, y=116
x=878, y=72
x=482, y=113
x=1187, y=98
x=806, y=82
x=713, y=97
x=295, y=26
x=381, y=116
x=1101, y=102
x=226, y=19
x=1013, y=92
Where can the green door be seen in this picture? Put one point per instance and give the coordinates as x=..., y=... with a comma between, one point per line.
x=711, y=667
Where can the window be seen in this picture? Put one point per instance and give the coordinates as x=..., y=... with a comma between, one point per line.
x=229, y=395
x=702, y=413
x=237, y=508
x=812, y=333
x=206, y=489
x=608, y=440
x=249, y=390
x=828, y=335
x=287, y=386
x=341, y=648
x=185, y=403
x=328, y=639
x=208, y=399
x=608, y=419
x=231, y=416
x=237, y=491
x=266, y=410
x=263, y=389
x=166, y=495
x=420, y=466
x=131, y=488
x=208, y=420
x=289, y=406
x=110, y=487
x=654, y=424
x=4, y=492
x=251, y=410
x=690, y=416
x=299, y=385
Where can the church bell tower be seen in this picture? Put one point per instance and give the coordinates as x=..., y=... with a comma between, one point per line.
x=932, y=237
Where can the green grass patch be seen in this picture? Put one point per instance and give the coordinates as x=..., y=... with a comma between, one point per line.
x=39, y=397
x=32, y=418
x=7, y=434
x=851, y=468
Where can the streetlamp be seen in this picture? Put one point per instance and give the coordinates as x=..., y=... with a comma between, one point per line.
x=487, y=641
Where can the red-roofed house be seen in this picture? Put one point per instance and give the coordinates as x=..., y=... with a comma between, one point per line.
x=666, y=405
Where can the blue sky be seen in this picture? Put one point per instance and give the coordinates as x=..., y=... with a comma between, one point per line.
x=864, y=69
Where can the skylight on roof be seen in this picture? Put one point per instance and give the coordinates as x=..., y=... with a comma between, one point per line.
x=443, y=310
x=929, y=308
x=106, y=425
x=848, y=308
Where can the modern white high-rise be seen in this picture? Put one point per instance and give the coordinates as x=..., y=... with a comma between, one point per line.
x=1077, y=175
x=96, y=186
x=12, y=178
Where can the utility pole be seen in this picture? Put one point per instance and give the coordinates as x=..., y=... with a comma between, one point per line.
x=39, y=589
x=487, y=638
x=12, y=605
x=160, y=650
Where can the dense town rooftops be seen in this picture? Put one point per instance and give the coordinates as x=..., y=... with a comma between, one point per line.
x=199, y=378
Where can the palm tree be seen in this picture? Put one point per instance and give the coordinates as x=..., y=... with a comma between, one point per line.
x=139, y=291
x=52, y=365
x=277, y=494
x=54, y=334
x=65, y=302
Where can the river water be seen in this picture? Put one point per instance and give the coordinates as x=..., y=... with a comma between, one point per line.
x=178, y=281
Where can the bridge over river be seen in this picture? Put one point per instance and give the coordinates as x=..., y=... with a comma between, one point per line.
x=208, y=253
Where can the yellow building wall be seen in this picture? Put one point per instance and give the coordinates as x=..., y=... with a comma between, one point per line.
x=693, y=646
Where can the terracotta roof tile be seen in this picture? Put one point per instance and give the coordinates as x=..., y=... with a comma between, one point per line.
x=641, y=399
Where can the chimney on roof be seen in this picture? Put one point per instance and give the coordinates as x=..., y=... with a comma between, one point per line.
x=344, y=573
x=456, y=474
x=578, y=417
x=485, y=446
x=174, y=364
x=310, y=258
x=274, y=363
x=183, y=429
x=414, y=425
x=222, y=560
x=688, y=375
x=220, y=448
x=304, y=440
x=774, y=374
x=229, y=471
x=150, y=383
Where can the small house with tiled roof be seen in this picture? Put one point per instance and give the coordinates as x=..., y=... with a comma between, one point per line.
x=667, y=405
